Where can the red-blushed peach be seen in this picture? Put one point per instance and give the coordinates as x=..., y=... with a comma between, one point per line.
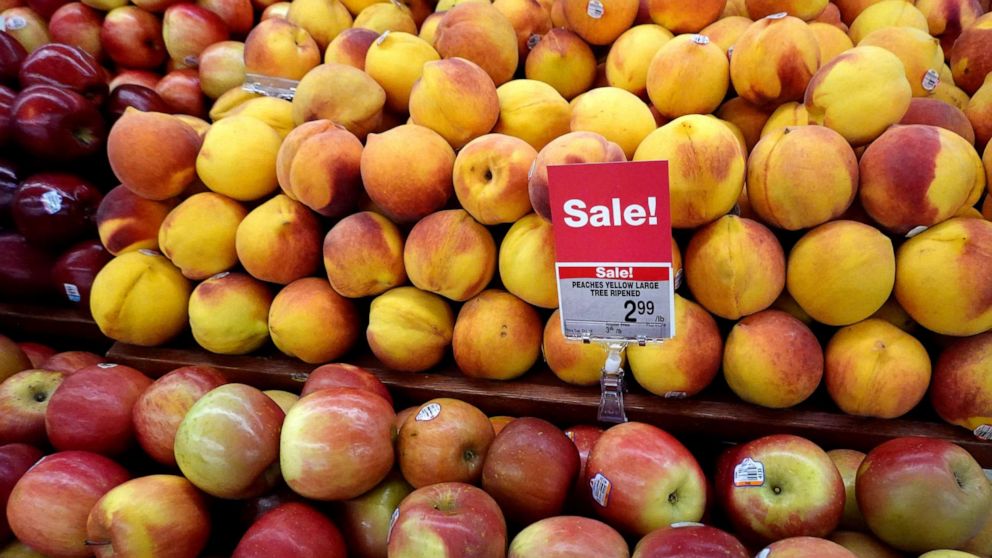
x=198, y=235
x=831, y=39
x=238, y=158
x=875, y=369
x=363, y=255
x=934, y=112
x=725, y=31
x=350, y=47
x=291, y=144
x=497, y=336
x=803, y=9
x=688, y=75
x=278, y=48
x=774, y=60
x=987, y=162
x=573, y=362
x=229, y=312
x=951, y=94
x=342, y=94
x=851, y=9
x=276, y=10
x=456, y=99
x=787, y=304
x=409, y=329
x=408, y=184
x=787, y=115
x=279, y=241
x=386, y=16
x=902, y=192
x=679, y=17
x=490, y=178
x=323, y=20
x=841, y=272
x=396, y=61
x=859, y=93
x=684, y=365
x=221, y=68
x=801, y=177
x=615, y=114
x=145, y=164
x=480, y=33
x=527, y=261
x=449, y=253
x=599, y=25
x=763, y=370
x=631, y=54
x=562, y=60
x=310, y=321
x=890, y=13
x=962, y=388
x=706, y=167
x=979, y=113
x=953, y=255
x=971, y=55
x=572, y=148
x=749, y=119
x=140, y=298
x=325, y=173
x=920, y=54
x=532, y=111
x=128, y=222
x=735, y=267
x=528, y=18
x=947, y=18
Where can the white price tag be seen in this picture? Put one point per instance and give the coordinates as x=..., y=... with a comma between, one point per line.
x=609, y=301
x=601, y=488
x=749, y=473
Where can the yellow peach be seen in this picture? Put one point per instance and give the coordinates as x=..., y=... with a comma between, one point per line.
x=497, y=336
x=688, y=75
x=449, y=253
x=562, y=60
x=630, y=56
x=725, y=31
x=238, y=158
x=310, y=321
x=198, y=235
x=616, y=114
x=750, y=119
x=573, y=362
x=490, y=178
x=323, y=20
x=386, y=16
x=455, y=98
x=396, y=60
x=146, y=165
x=350, y=47
x=572, y=148
x=890, y=13
x=279, y=241
x=342, y=94
x=363, y=255
x=278, y=48
x=228, y=314
x=409, y=329
x=679, y=17
x=920, y=54
x=600, y=23
x=532, y=111
x=482, y=34
x=831, y=39
x=774, y=60
x=527, y=262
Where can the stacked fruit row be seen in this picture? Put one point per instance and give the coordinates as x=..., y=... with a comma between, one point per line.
x=308, y=479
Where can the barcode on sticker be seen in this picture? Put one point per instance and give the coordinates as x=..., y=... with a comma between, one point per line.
x=72, y=292
x=931, y=80
x=429, y=412
x=595, y=9
x=984, y=432
x=601, y=488
x=392, y=523
x=749, y=473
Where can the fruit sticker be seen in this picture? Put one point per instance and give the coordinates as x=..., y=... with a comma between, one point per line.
x=595, y=9
x=72, y=292
x=984, y=432
x=392, y=523
x=931, y=80
x=764, y=553
x=106, y=365
x=601, y=488
x=429, y=412
x=749, y=473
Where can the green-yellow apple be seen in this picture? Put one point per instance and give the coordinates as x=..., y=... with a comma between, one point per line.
x=445, y=441
x=448, y=520
x=364, y=520
x=690, y=539
x=847, y=462
x=24, y=398
x=568, y=536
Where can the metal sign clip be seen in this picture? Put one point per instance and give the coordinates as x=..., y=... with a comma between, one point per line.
x=612, y=386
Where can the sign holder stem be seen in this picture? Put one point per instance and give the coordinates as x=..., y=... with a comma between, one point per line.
x=612, y=385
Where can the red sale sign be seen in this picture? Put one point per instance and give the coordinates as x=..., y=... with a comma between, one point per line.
x=612, y=228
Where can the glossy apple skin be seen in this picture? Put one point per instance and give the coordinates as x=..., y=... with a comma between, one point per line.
x=162, y=407
x=49, y=506
x=59, y=124
x=76, y=268
x=66, y=67
x=132, y=95
x=45, y=8
x=180, y=89
x=463, y=519
x=10, y=181
x=24, y=398
x=132, y=38
x=568, y=536
x=159, y=515
x=78, y=25
x=69, y=362
x=293, y=529
x=25, y=269
x=54, y=209
x=584, y=437
x=15, y=460
x=530, y=469
x=345, y=375
x=364, y=521
x=449, y=445
x=7, y=96
x=36, y=352
x=11, y=56
x=189, y=29
x=690, y=541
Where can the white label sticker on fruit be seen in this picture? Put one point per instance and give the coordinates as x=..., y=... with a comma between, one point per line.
x=52, y=202
x=382, y=38
x=106, y=365
x=429, y=412
x=570, y=435
x=532, y=41
x=701, y=39
x=779, y=15
x=595, y=9
x=147, y=252
x=13, y=23
x=72, y=292
x=392, y=523
x=676, y=395
x=931, y=80
x=678, y=279
x=730, y=52
x=984, y=432
x=221, y=275
x=916, y=230
x=749, y=473
x=682, y=524
x=601, y=488
x=764, y=553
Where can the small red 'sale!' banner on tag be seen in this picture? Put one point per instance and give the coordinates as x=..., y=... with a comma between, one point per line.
x=613, y=230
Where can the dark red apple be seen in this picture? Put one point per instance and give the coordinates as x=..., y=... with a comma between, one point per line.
x=65, y=67
x=36, y=352
x=137, y=96
x=143, y=78
x=54, y=209
x=45, y=8
x=78, y=25
x=7, y=96
x=57, y=123
x=70, y=362
x=180, y=89
x=15, y=460
x=10, y=181
x=132, y=38
x=11, y=56
x=293, y=529
x=25, y=270
x=75, y=270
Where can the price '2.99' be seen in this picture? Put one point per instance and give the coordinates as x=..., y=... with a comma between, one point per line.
x=640, y=307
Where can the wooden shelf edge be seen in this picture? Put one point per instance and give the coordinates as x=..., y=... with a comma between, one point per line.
x=534, y=395
x=48, y=321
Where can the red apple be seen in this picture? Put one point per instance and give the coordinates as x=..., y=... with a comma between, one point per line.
x=778, y=487
x=45, y=8
x=345, y=375
x=53, y=209
x=847, y=462
x=69, y=362
x=25, y=269
x=15, y=460
x=78, y=25
x=530, y=469
x=365, y=520
x=445, y=441
x=252, y=509
x=188, y=29
x=48, y=507
x=132, y=38
x=584, y=437
x=326, y=454
x=690, y=540
x=137, y=96
x=57, y=123
x=237, y=15
x=7, y=97
x=156, y=6
x=143, y=78
x=25, y=25
x=37, y=353
x=159, y=515
x=568, y=536
x=10, y=181
x=74, y=422
x=162, y=407
x=180, y=89
x=921, y=494
x=24, y=398
x=76, y=268
x=642, y=478
x=11, y=56
x=448, y=520
x=293, y=529
x=805, y=547
x=863, y=544
x=65, y=67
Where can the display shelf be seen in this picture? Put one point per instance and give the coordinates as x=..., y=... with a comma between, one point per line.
x=713, y=415
x=37, y=322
